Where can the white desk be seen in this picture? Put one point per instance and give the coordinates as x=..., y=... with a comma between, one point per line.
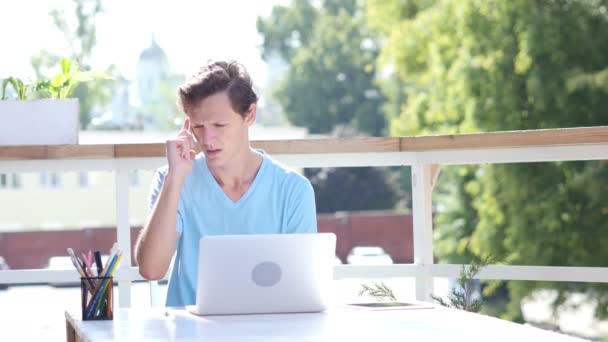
x=336, y=324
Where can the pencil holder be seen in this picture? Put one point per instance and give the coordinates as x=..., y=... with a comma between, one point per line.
x=97, y=298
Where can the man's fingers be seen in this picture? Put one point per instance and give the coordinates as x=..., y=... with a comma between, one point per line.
x=185, y=128
x=177, y=146
x=192, y=143
x=183, y=146
x=189, y=138
x=185, y=133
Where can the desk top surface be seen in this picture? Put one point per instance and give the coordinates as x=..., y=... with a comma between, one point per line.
x=335, y=324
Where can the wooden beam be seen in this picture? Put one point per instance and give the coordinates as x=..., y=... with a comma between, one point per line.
x=139, y=150
x=79, y=151
x=328, y=145
x=22, y=152
x=548, y=137
x=535, y=138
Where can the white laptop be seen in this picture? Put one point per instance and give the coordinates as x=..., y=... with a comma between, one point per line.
x=273, y=273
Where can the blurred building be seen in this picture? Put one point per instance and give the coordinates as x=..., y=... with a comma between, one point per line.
x=148, y=101
x=152, y=70
x=271, y=113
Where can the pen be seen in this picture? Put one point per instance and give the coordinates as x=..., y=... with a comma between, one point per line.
x=98, y=262
x=90, y=258
x=84, y=267
x=87, y=265
x=96, y=299
x=113, y=251
x=76, y=264
x=112, y=269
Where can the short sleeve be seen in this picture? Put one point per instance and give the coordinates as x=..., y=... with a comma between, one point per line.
x=155, y=188
x=302, y=217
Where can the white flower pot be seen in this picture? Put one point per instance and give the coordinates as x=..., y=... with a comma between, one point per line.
x=39, y=122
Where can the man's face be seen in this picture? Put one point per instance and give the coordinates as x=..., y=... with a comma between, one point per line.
x=221, y=132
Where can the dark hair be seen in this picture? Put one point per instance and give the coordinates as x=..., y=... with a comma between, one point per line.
x=215, y=77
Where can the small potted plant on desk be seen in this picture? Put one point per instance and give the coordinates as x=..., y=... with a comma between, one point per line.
x=43, y=112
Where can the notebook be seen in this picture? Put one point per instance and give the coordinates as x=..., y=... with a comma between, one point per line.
x=272, y=273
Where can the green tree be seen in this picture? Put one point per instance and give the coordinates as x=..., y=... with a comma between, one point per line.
x=331, y=54
x=374, y=189
x=407, y=88
x=489, y=65
x=80, y=32
x=329, y=85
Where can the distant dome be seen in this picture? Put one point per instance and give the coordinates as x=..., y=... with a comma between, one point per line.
x=152, y=70
x=153, y=52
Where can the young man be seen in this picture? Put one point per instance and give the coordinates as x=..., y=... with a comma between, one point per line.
x=229, y=188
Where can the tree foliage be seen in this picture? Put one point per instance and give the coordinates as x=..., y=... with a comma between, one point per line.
x=353, y=188
x=331, y=55
x=491, y=65
x=329, y=85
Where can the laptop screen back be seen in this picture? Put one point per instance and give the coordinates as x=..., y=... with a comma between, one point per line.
x=274, y=273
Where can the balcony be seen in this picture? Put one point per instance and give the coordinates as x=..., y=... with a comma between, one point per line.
x=425, y=154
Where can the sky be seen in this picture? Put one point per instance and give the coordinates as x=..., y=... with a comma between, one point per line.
x=190, y=32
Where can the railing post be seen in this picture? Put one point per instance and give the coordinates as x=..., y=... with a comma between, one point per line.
x=123, y=234
x=423, y=227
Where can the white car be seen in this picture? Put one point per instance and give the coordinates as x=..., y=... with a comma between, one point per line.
x=368, y=255
x=3, y=267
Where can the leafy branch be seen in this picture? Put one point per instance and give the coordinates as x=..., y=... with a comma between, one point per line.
x=379, y=291
x=461, y=297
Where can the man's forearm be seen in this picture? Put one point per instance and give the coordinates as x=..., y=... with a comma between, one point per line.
x=156, y=243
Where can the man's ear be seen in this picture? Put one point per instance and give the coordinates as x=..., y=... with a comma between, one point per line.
x=251, y=115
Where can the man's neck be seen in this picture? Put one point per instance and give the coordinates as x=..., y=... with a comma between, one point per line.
x=239, y=172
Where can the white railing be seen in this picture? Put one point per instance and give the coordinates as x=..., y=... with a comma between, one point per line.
x=425, y=155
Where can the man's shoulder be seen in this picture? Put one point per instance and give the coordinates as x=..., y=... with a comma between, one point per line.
x=285, y=174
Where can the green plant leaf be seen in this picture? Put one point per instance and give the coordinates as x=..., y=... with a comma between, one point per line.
x=74, y=70
x=69, y=90
x=20, y=87
x=43, y=89
x=5, y=83
x=66, y=65
x=59, y=80
x=59, y=86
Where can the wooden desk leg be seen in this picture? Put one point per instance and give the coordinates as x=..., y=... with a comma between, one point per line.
x=70, y=332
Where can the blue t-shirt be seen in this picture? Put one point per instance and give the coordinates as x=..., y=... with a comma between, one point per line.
x=279, y=200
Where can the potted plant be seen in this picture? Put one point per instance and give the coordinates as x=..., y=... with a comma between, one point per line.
x=43, y=112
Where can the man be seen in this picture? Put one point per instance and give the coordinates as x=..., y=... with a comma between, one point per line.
x=229, y=188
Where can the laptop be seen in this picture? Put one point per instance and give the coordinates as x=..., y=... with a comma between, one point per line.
x=272, y=273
